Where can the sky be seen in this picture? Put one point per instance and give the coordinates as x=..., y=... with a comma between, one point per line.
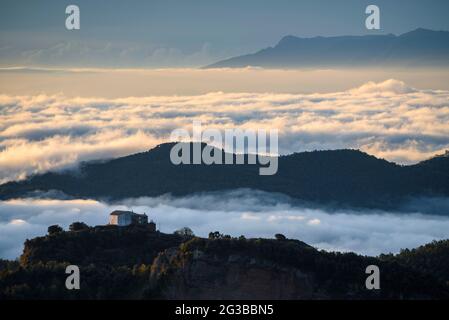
x=185, y=32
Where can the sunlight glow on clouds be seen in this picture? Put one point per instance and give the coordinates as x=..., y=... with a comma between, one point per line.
x=387, y=119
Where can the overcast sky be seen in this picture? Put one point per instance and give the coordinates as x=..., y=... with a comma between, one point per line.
x=188, y=33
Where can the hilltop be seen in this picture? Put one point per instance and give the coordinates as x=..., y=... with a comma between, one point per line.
x=134, y=263
x=343, y=178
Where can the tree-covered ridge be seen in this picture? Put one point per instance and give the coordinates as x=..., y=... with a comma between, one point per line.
x=431, y=258
x=134, y=263
x=100, y=245
x=344, y=178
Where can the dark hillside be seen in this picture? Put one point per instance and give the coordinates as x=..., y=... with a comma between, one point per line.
x=345, y=178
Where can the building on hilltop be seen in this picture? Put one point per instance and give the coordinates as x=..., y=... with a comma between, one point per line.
x=126, y=218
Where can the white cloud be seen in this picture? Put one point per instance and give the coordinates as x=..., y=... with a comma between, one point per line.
x=388, y=86
x=314, y=222
x=249, y=216
x=239, y=212
x=387, y=119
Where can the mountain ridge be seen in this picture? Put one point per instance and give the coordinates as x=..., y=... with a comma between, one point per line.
x=419, y=47
x=345, y=178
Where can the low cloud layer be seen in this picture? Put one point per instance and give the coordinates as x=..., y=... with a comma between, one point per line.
x=240, y=212
x=388, y=119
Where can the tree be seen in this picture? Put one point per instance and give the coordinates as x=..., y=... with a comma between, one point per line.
x=280, y=237
x=218, y=235
x=77, y=226
x=54, y=229
x=215, y=235
x=184, y=232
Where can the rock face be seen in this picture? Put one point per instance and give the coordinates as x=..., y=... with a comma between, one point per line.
x=205, y=276
x=270, y=269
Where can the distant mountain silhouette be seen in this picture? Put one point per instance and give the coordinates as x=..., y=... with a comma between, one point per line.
x=344, y=178
x=420, y=47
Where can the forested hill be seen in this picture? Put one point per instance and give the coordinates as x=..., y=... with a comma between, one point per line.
x=137, y=263
x=340, y=177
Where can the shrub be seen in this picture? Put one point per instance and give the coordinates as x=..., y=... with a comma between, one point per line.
x=54, y=229
x=77, y=226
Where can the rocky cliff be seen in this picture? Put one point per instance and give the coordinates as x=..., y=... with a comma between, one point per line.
x=280, y=269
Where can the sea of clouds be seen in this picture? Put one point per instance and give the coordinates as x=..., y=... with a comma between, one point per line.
x=387, y=119
x=239, y=212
